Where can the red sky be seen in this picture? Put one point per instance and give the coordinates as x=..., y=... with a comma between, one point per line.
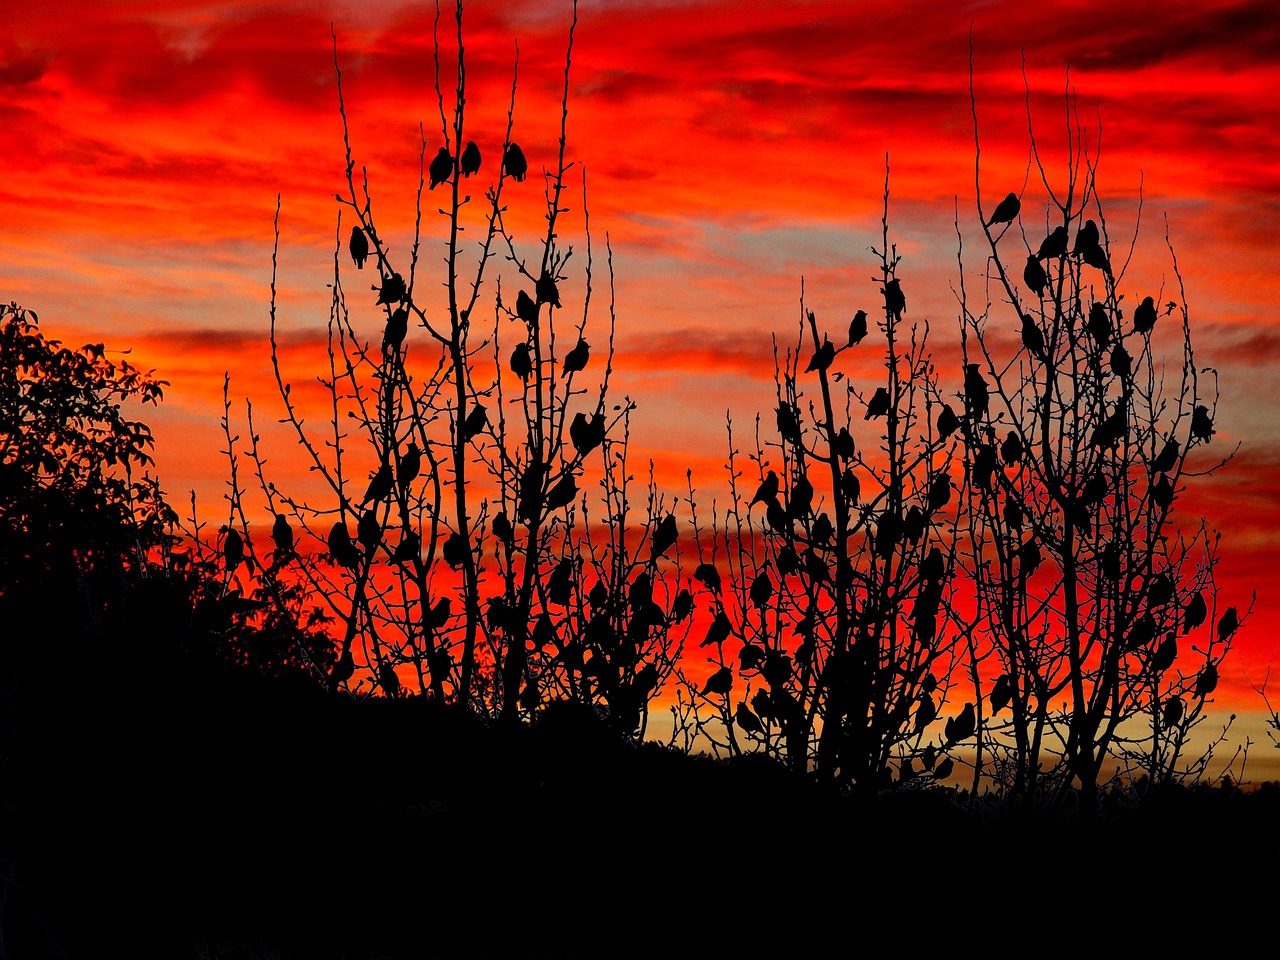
x=731, y=149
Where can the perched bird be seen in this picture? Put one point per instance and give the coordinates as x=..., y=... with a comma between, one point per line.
x=527, y=308
x=975, y=391
x=1032, y=337
x=720, y=682
x=514, y=163
x=392, y=289
x=560, y=583
x=1034, y=277
x=521, y=362
x=1207, y=682
x=719, y=630
x=962, y=726
x=777, y=518
x=983, y=466
x=788, y=417
x=563, y=493
x=761, y=589
x=232, y=549
x=926, y=712
x=1013, y=515
x=1167, y=459
x=1165, y=654
x=822, y=531
x=441, y=168
x=1202, y=424
x=842, y=444
x=1121, y=362
x=939, y=492
x=282, y=534
x=369, y=530
x=665, y=535
x=341, y=549
x=547, y=290
x=1029, y=558
x=933, y=567
x=408, y=465
x=1086, y=237
x=850, y=486
x=1001, y=693
x=503, y=530
x=1171, y=713
x=455, y=550
x=913, y=524
x=857, y=327
x=476, y=420
x=1162, y=491
x=878, y=405
x=1005, y=210
x=576, y=358
x=948, y=422
x=409, y=548
x=1099, y=325
x=800, y=498
x=768, y=490
x=388, y=680
x=894, y=298
x=1094, y=489
x=707, y=575
x=379, y=485
x=586, y=434
x=1194, y=613
x=343, y=669
x=359, y=247
x=1228, y=624
x=1144, y=316
x=1054, y=245
x=1011, y=449
x=396, y=329
x=822, y=357
x=747, y=720
x=470, y=159
x=1111, y=431
x=682, y=606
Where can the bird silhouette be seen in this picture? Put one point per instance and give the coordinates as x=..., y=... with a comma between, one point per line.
x=878, y=406
x=1112, y=430
x=396, y=329
x=1162, y=491
x=470, y=159
x=1054, y=245
x=441, y=168
x=232, y=549
x=282, y=534
x=926, y=712
x=665, y=535
x=1207, y=682
x=984, y=465
x=747, y=720
x=1144, y=316
x=576, y=358
x=502, y=528
x=777, y=518
x=976, y=395
x=1228, y=623
x=682, y=606
x=948, y=422
x=1121, y=362
x=939, y=492
x=1141, y=633
x=521, y=364
x=788, y=418
x=800, y=498
x=718, y=631
x=857, y=327
x=455, y=549
x=1032, y=337
x=894, y=298
x=408, y=465
x=1202, y=424
x=1005, y=210
x=1029, y=559
x=1171, y=713
x=409, y=548
x=359, y=247
x=563, y=493
x=514, y=163
x=761, y=589
x=369, y=530
x=1167, y=458
x=707, y=575
x=476, y=420
x=1034, y=277
x=586, y=434
x=1087, y=236
x=1165, y=654
x=379, y=485
x=1194, y=613
x=1011, y=449
x=388, y=680
x=961, y=727
x=768, y=490
x=527, y=308
x=1013, y=515
x=1001, y=693
x=547, y=290
x=850, y=486
x=822, y=531
x=341, y=549
x=822, y=357
x=392, y=290
x=842, y=444
x=1099, y=325
x=344, y=669
x=720, y=682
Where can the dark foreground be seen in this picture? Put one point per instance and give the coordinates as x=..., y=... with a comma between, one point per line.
x=221, y=815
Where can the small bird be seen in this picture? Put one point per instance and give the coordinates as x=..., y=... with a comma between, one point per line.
x=1005, y=210
x=707, y=575
x=761, y=589
x=1165, y=654
x=408, y=465
x=681, y=606
x=939, y=492
x=1032, y=337
x=1034, y=276
x=359, y=247
x=747, y=720
x=720, y=682
x=379, y=485
x=341, y=549
x=850, y=486
x=768, y=490
x=1202, y=424
x=823, y=530
x=476, y=420
x=521, y=362
x=984, y=465
x=1167, y=458
x=586, y=434
x=777, y=518
x=1121, y=362
x=1029, y=558
x=232, y=549
x=1011, y=449
x=392, y=290
x=962, y=726
x=800, y=498
x=878, y=405
x=470, y=159
x=1087, y=236
x=514, y=163
x=441, y=168
x=1207, y=682
x=1013, y=515
x=343, y=669
x=1228, y=624
x=1194, y=613
x=396, y=329
x=1162, y=491
x=455, y=550
x=822, y=357
x=842, y=444
x=894, y=298
x=948, y=422
x=1144, y=316
x=857, y=327
x=975, y=391
x=369, y=530
x=665, y=535
x=576, y=358
x=1054, y=245
x=409, y=548
x=563, y=493
x=788, y=417
x=1001, y=693
x=1112, y=430
x=282, y=534
x=1171, y=714
x=1099, y=325
x=527, y=308
x=718, y=632
x=502, y=528
x=547, y=290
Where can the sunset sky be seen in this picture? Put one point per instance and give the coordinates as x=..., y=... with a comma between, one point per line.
x=732, y=150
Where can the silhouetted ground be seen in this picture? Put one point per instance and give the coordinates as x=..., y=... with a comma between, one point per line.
x=214, y=811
